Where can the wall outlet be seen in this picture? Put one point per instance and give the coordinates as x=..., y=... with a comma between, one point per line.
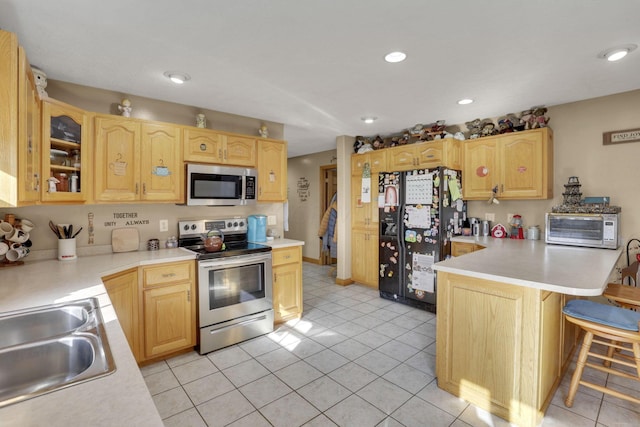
x=164, y=225
x=509, y=218
x=490, y=217
x=271, y=220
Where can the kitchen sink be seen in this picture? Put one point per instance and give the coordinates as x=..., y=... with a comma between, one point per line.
x=51, y=347
x=39, y=324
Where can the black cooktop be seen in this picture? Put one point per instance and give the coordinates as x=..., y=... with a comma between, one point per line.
x=231, y=249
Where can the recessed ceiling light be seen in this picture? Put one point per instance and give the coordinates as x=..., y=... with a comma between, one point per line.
x=465, y=101
x=617, y=53
x=395, y=57
x=176, y=77
x=369, y=120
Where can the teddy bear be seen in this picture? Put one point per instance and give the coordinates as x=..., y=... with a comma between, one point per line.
x=538, y=118
x=358, y=144
x=505, y=125
x=475, y=128
x=488, y=128
x=525, y=118
x=404, y=139
x=378, y=143
x=518, y=123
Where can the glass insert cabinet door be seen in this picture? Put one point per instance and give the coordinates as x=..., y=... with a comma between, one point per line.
x=65, y=153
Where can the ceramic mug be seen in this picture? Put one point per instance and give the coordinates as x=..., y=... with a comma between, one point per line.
x=4, y=248
x=26, y=225
x=18, y=236
x=5, y=228
x=14, y=254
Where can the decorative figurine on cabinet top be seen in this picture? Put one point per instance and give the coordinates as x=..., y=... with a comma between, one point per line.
x=125, y=107
x=505, y=125
x=201, y=121
x=538, y=118
x=263, y=131
x=525, y=118
x=41, y=82
x=488, y=128
x=475, y=128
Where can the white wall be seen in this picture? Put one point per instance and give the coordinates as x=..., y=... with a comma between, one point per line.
x=305, y=205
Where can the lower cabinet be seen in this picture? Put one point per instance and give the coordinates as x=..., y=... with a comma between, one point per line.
x=156, y=307
x=287, y=283
x=123, y=291
x=364, y=257
x=462, y=248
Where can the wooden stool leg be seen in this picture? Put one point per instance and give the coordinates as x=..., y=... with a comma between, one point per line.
x=582, y=359
x=636, y=356
x=610, y=351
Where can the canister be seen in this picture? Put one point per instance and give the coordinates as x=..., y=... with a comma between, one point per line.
x=533, y=232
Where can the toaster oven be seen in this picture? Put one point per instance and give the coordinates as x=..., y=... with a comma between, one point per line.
x=592, y=230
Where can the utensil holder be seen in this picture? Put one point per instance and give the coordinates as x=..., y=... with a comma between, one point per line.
x=67, y=249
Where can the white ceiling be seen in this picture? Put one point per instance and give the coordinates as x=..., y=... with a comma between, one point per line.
x=317, y=66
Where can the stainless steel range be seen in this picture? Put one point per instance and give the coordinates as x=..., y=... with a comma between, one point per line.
x=234, y=284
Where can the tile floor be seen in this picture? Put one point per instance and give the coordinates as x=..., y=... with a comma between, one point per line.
x=353, y=360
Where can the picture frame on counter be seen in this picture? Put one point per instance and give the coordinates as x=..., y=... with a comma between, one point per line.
x=621, y=136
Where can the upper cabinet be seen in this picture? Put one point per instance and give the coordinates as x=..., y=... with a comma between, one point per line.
x=443, y=152
x=272, y=171
x=377, y=162
x=65, y=153
x=20, y=116
x=207, y=146
x=137, y=160
x=519, y=164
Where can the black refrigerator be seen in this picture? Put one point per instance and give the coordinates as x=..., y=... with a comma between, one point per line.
x=420, y=210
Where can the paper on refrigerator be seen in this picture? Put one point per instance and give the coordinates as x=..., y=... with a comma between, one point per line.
x=423, y=276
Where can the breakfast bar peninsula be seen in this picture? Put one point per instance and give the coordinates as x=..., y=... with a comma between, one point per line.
x=502, y=343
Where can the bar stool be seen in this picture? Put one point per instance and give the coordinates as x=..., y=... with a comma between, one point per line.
x=616, y=326
x=624, y=295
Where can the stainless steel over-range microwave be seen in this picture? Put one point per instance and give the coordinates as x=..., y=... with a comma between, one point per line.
x=212, y=185
x=592, y=229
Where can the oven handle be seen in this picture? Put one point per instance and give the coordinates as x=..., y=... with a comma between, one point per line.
x=233, y=261
x=244, y=322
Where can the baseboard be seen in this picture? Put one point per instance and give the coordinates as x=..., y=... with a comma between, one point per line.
x=344, y=282
x=311, y=260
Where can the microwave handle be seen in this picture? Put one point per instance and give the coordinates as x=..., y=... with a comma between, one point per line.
x=244, y=188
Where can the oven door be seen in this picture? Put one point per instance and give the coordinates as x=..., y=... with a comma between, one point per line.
x=232, y=287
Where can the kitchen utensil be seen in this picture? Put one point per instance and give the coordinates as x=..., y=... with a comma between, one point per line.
x=54, y=229
x=76, y=233
x=153, y=244
x=125, y=239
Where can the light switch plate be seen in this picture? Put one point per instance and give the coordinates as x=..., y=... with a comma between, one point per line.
x=271, y=220
x=164, y=225
x=490, y=216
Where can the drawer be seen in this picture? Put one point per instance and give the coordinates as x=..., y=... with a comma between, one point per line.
x=286, y=255
x=168, y=273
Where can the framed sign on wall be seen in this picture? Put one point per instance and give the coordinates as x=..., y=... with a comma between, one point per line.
x=621, y=136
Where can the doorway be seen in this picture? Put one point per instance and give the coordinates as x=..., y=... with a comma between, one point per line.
x=328, y=187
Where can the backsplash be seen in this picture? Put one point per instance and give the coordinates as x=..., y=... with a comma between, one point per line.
x=146, y=218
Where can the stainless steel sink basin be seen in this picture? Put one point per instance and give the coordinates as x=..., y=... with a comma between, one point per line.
x=30, y=326
x=51, y=347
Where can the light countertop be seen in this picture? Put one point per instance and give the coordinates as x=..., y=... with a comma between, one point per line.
x=119, y=399
x=282, y=243
x=532, y=263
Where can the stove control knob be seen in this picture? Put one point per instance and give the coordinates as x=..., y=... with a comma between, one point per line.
x=235, y=224
x=193, y=226
x=241, y=223
x=229, y=224
x=186, y=227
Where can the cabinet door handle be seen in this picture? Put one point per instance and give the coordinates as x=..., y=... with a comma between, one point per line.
x=501, y=188
x=260, y=192
x=189, y=295
x=144, y=188
x=136, y=188
x=225, y=154
x=220, y=152
x=275, y=277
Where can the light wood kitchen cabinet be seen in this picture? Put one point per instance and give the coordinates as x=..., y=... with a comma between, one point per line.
x=462, y=248
x=137, y=161
x=519, y=164
x=444, y=152
x=518, y=332
x=272, y=171
x=169, y=308
x=123, y=292
x=66, y=152
x=20, y=138
x=207, y=146
x=287, y=283
x=156, y=307
x=364, y=218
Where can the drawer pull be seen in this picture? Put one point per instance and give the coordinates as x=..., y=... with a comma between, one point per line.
x=168, y=274
x=287, y=256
